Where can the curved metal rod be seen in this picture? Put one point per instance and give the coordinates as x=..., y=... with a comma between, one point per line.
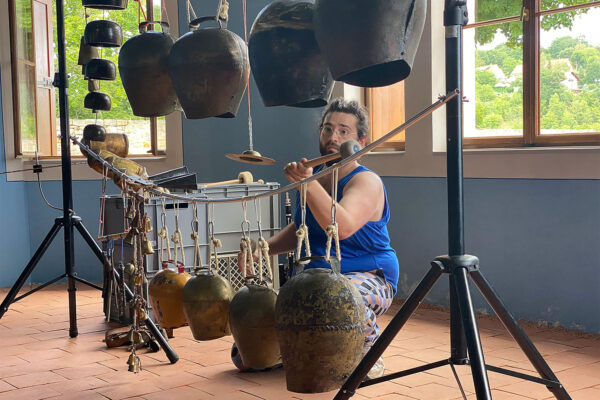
x=151, y=187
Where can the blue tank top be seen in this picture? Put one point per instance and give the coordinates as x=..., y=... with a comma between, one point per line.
x=367, y=249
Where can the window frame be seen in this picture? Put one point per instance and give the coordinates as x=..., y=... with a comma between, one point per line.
x=50, y=151
x=22, y=164
x=398, y=143
x=531, y=15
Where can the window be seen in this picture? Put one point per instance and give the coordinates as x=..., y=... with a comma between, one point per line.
x=532, y=73
x=386, y=112
x=35, y=112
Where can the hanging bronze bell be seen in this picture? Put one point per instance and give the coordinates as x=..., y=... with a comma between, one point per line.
x=86, y=53
x=208, y=68
x=100, y=69
x=143, y=65
x=206, y=300
x=252, y=321
x=93, y=85
x=320, y=320
x=133, y=363
x=147, y=247
x=103, y=33
x=117, y=143
x=94, y=132
x=286, y=61
x=105, y=4
x=382, y=51
x=97, y=101
x=165, y=294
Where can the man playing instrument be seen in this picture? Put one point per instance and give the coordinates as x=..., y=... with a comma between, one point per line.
x=367, y=259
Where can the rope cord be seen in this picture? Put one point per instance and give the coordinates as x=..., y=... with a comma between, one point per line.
x=302, y=232
x=163, y=234
x=197, y=261
x=190, y=10
x=332, y=229
x=164, y=13
x=43, y=167
x=263, y=245
x=177, y=239
x=141, y=12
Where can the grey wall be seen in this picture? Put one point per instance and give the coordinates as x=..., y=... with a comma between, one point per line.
x=537, y=242
x=86, y=203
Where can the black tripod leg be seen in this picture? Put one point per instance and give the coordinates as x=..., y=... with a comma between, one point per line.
x=91, y=242
x=390, y=332
x=480, y=379
x=8, y=300
x=519, y=335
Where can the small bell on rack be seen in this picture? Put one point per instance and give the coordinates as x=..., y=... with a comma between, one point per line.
x=130, y=210
x=129, y=269
x=147, y=224
x=130, y=235
x=138, y=340
x=147, y=246
x=134, y=364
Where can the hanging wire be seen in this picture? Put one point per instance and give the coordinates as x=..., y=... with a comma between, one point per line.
x=248, y=79
x=43, y=166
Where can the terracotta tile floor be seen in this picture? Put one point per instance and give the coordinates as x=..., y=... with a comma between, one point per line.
x=38, y=360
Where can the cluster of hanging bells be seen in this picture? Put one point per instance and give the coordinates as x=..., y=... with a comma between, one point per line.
x=295, y=49
x=98, y=34
x=203, y=72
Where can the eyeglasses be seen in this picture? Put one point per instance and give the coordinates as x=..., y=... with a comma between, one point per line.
x=342, y=131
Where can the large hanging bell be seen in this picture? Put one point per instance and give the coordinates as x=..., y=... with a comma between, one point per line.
x=143, y=65
x=165, y=291
x=116, y=143
x=105, y=4
x=252, y=321
x=101, y=69
x=320, y=319
x=97, y=101
x=382, y=51
x=286, y=61
x=103, y=33
x=208, y=68
x=94, y=132
x=86, y=53
x=206, y=300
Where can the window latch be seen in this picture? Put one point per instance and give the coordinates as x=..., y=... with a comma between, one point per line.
x=524, y=14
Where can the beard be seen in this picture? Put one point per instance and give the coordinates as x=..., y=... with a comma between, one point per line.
x=324, y=151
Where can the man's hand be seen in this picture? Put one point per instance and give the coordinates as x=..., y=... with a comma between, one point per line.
x=296, y=171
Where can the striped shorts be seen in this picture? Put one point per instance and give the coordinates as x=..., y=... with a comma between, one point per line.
x=377, y=295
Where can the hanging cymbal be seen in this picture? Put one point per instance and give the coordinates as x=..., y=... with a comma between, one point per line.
x=250, y=157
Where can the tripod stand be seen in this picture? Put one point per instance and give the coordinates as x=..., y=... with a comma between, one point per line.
x=69, y=220
x=464, y=335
